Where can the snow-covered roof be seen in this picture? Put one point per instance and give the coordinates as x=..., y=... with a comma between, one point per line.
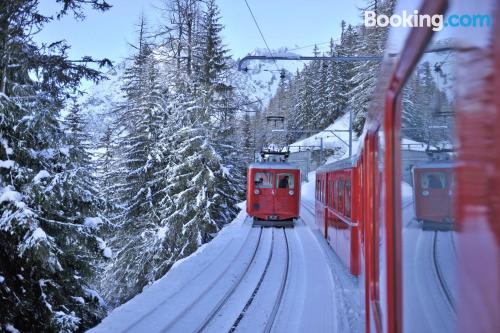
x=273, y=165
x=339, y=165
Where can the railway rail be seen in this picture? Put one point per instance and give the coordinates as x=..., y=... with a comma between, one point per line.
x=228, y=294
x=440, y=274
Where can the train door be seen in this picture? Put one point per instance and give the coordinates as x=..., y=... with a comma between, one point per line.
x=285, y=198
x=263, y=184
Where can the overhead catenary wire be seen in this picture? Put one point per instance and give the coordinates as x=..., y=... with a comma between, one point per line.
x=261, y=34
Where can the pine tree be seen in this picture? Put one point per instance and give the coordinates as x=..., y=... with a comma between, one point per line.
x=371, y=41
x=135, y=212
x=49, y=245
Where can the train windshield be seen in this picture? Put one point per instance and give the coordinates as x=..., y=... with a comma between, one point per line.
x=263, y=180
x=285, y=180
x=433, y=180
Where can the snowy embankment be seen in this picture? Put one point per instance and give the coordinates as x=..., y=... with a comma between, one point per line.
x=235, y=281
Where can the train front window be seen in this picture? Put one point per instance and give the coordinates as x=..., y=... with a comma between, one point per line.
x=433, y=180
x=263, y=180
x=285, y=180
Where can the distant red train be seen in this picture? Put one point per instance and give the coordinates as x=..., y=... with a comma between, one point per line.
x=419, y=280
x=434, y=188
x=273, y=193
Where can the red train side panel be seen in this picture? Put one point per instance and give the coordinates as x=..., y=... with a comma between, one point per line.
x=336, y=210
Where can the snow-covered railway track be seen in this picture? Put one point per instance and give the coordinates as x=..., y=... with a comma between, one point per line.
x=281, y=291
x=231, y=291
x=440, y=274
x=207, y=304
x=257, y=312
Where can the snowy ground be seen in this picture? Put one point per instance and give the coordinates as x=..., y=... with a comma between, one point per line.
x=250, y=280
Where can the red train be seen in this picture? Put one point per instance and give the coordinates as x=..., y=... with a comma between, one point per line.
x=419, y=280
x=338, y=207
x=434, y=187
x=273, y=193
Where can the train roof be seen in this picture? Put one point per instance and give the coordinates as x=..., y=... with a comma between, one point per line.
x=273, y=165
x=447, y=164
x=346, y=163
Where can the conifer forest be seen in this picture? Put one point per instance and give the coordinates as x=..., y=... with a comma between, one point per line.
x=111, y=172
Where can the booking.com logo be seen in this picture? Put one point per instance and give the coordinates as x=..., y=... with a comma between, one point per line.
x=436, y=22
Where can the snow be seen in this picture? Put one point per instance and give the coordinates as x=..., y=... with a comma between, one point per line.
x=5, y=144
x=7, y=164
x=308, y=189
x=11, y=329
x=331, y=141
x=41, y=175
x=38, y=234
x=8, y=194
x=94, y=294
x=406, y=193
x=64, y=150
x=218, y=280
x=92, y=222
x=78, y=299
x=106, y=251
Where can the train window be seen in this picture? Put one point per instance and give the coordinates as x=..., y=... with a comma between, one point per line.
x=330, y=188
x=263, y=180
x=317, y=189
x=285, y=180
x=334, y=194
x=348, y=198
x=433, y=180
x=340, y=196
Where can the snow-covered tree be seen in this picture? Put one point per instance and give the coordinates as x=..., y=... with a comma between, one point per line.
x=48, y=222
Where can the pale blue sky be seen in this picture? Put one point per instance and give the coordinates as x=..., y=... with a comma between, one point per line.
x=288, y=23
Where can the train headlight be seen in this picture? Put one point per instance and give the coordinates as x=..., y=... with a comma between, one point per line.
x=425, y=193
x=291, y=192
x=256, y=191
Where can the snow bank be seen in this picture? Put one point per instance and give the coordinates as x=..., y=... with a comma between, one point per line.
x=308, y=188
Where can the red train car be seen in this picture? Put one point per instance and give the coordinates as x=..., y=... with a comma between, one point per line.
x=273, y=193
x=419, y=280
x=337, y=210
x=434, y=187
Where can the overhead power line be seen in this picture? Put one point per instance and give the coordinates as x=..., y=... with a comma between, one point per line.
x=261, y=34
